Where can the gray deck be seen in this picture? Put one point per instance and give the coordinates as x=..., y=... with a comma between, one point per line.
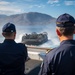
x=36, y=56
x=32, y=67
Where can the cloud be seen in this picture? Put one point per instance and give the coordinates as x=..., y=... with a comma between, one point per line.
x=9, y=8
x=52, y=1
x=4, y=3
x=69, y=3
x=35, y=6
x=39, y=6
x=28, y=0
x=18, y=6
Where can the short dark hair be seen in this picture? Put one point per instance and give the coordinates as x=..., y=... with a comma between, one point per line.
x=66, y=31
x=7, y=34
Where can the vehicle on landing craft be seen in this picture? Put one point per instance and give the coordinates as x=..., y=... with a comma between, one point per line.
x=34, y=38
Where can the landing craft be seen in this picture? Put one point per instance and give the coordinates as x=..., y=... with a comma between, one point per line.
x=34, y=38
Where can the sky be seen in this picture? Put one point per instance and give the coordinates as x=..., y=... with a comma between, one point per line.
x=53, y=8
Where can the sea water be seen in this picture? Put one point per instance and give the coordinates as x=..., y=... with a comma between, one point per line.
x=52, y=42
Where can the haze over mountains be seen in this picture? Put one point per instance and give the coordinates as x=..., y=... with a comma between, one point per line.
x=31, y=18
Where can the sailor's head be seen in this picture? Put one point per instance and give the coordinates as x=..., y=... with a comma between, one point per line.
x=65, y=25
x=9, y=30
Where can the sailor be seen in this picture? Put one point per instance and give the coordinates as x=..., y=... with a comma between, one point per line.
x=12, y=55
x=61, y=60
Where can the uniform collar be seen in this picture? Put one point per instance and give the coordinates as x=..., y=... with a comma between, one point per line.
x=9, y=40
x=68, y=42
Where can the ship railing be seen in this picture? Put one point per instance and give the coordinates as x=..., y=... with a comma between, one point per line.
x=37, y=53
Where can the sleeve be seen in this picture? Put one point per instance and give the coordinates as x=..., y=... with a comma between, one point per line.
x=25, y=53
x=45, y=70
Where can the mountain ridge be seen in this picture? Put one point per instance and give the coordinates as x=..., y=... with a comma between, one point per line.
x=30, y=18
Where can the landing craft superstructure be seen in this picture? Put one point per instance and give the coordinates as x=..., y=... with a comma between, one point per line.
x=34, y=38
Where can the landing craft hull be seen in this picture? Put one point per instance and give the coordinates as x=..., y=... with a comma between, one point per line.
x=35, y=39
x=30, y=42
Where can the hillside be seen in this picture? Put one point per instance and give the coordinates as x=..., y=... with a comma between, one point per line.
x=31, y=18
